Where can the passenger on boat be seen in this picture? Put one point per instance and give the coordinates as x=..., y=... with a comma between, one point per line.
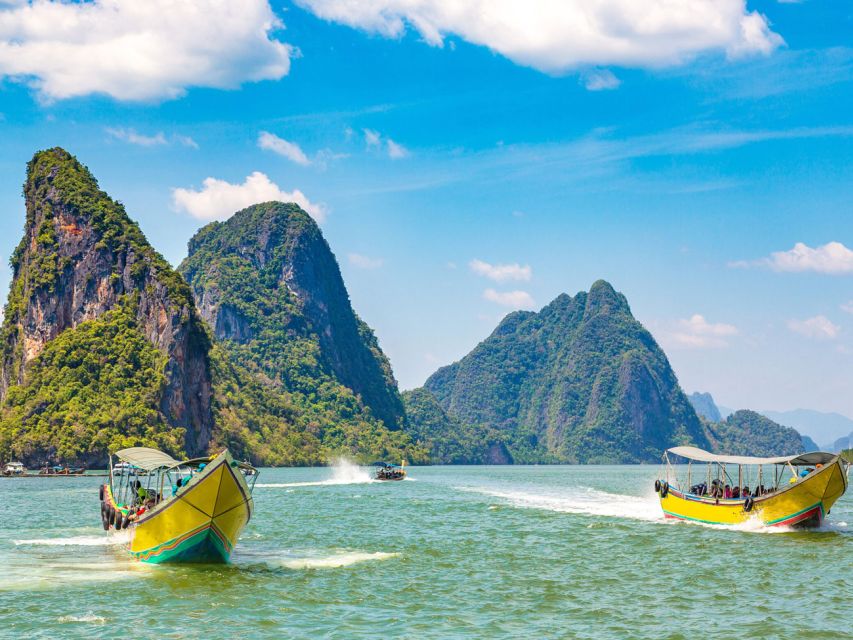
x=699, y=489
x=141, y=493
x=736, y=492
x=727, y=492
x=745, y=493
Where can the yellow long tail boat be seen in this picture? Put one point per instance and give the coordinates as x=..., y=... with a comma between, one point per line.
x=178, y=510
x=796, y=491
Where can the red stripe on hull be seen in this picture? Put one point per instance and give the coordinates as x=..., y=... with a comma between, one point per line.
x=816, y=513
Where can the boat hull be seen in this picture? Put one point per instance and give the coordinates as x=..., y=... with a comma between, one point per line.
x=201, y=523
x=803, y=504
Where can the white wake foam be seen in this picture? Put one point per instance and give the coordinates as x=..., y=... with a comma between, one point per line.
x=89, y=617
x=300, y=559
x=343, y=472
x=335, y=561
x=582, y=500
x=115, y=538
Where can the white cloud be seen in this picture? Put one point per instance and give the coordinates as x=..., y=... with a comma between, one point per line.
x=282, y=147
x=396, y=151
x=364, y=262
x=132, y=137
x=831, y=258
x=819, y=327
x=501, y=272
x=558, y=36
x=133, y=50
x=847, y=307
x=600, y=80
x=218, y=199
x=512, y=299
x=371, y=138
x=186, y=141
x=697, y=333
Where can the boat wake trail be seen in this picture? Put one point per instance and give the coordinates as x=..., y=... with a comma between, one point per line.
x=89, y=617
x=343, y=472
x=308, y=559
x=582, y=500
x=78, y=541
x=335, y=561
x=588, y=501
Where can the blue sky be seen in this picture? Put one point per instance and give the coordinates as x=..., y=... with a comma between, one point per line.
x=700, y=162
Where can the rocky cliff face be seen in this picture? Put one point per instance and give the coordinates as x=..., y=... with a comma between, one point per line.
x=301, y=379
x=580, y=381
x=82, y=256
x=267, y=278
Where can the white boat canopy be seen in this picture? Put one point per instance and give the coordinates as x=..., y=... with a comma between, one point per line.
x=147, y=459
x=802, y=459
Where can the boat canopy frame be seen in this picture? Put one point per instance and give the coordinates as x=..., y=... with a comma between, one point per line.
x=149, y=460
x=797, y=460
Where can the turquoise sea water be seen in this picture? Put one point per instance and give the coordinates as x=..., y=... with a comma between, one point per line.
x=480, y=552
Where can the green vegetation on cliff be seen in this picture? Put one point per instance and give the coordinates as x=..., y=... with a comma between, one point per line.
x=580, y=382
x=299, y=378
x=93, y=389
x=447, y=439
x=101, y=344
x=747, y=433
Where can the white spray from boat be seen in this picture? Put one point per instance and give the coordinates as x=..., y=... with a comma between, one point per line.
x=593, y=502
x=343, y=472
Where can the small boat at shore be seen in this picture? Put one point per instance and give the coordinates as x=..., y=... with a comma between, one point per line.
x=797, y=490
x=14, y=469
x=179, y=510
x=61, y=470
x=390, y=472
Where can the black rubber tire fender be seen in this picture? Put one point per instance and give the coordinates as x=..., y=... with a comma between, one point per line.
x=101, y=493
x=111, y=514
x=664, y=490
x=657, y=486
x=748, y=504
x=104, y=520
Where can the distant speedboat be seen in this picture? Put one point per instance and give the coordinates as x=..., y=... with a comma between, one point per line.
x=178, y=511
x=124, y=469
x=387, y=471
x=796, y=490
x=14, y=469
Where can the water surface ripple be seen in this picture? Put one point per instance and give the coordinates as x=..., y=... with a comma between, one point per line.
x=485, y=552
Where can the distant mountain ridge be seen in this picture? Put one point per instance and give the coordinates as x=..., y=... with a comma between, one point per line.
x=580, y=381
x=748, y=433
x=705, y=406
x=729, y=422
x=827, y=428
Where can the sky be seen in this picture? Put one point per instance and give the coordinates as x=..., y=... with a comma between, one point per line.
x=468, y=159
